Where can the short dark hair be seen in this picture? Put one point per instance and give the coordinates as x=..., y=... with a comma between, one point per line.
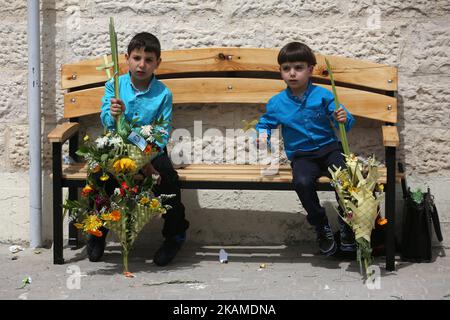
x=296, y=51
x=145, y=40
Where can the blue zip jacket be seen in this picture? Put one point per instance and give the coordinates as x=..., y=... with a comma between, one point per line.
x=146, y=106
x=306, y=122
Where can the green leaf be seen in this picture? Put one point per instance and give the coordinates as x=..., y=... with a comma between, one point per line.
x=344, y=140
x=104, y=157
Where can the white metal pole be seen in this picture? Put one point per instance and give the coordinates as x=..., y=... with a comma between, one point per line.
x=34, y=121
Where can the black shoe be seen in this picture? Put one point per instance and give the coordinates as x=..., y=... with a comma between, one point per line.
x=325, y=238
x=96, y=245
x=347, y=237
x=168, y=251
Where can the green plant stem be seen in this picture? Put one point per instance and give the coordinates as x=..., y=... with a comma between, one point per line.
x=337, y=105
x=366, y=267
x=125, y=260
x=115, y=61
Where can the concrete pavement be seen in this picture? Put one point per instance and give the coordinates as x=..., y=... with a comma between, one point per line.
x=253, y=272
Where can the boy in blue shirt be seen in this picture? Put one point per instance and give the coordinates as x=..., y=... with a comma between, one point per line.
x=306, y=113
x=147, y=99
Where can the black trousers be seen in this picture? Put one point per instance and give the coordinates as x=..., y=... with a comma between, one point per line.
x=307, y=166
x=174, y=219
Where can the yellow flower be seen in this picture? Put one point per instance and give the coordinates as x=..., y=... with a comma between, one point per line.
x=86, y=138
x=87, y=189
x=106, y=216
x=78, y=225
x=353, y=189
x=144, y=201
x=104, y=177
x=346, y=184
x=124, y=165
x=154, y=204
x=92, y=223
x=381, y=187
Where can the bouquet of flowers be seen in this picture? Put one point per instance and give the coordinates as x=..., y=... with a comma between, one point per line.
x=119, y=154
x=358, y=191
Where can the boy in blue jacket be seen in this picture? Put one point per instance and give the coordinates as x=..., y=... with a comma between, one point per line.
x=306, y=113
x=145, y=98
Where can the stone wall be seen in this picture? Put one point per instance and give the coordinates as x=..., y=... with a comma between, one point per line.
x=413, y=35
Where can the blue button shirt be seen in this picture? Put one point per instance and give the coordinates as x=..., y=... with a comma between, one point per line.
x=306, y=122
x=145, y=106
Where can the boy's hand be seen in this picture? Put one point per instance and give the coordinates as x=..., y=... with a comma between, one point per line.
x=117, y=107
x=148, y=170
x=340, y=115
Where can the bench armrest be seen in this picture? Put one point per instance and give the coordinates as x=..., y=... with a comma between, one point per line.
x=62, y=132
x=390, y=136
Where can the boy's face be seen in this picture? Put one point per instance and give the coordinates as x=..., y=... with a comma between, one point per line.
x=296, y=75
x=142, y=64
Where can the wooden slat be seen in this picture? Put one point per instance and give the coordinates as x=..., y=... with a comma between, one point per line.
x=219, y=172
x=346, y=70
x=83, y=102
x=238, y=90
x=63, y=131
x=390, y=136
x=85, y=72
x=357, y=72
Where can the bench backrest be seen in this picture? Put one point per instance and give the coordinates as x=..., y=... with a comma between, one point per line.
x=238, y=75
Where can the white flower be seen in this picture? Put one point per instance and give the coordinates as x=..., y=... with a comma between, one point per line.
x=116, y=141
x=146, y=130
x=102, y=142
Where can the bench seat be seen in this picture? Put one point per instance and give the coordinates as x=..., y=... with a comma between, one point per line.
x=223, y=176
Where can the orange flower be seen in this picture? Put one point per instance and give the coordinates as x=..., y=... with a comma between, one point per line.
x=381, y=221
x=96, y=232
x=148, y=149
x=86, y=190
x=115, y=215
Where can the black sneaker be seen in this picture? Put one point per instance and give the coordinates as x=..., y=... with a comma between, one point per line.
x=347, y=236
x=96, y=245
x=325, y=238
x=168, y=250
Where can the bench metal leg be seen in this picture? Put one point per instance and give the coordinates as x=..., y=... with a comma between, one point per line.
x=73, y=232
x=390, y=208
x=73, y=191
x=57, y=205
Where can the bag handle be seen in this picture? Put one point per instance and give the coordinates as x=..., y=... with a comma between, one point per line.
x=431, y=208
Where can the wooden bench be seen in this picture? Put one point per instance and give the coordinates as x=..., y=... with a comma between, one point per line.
x=222, y=76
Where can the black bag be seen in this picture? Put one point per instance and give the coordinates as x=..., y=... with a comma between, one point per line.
x=419, y=215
